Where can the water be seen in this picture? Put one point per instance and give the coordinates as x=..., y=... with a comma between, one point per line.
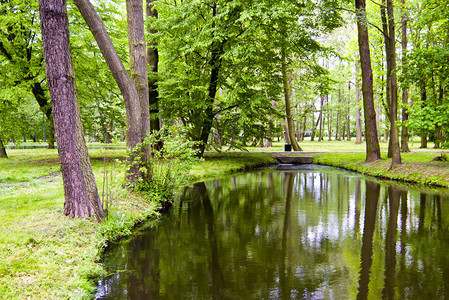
x=316, y=233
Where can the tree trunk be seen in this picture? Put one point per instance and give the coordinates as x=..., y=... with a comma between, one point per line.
x=286, y=135
x=329, y=119
x=81, y=195
x=124, y=82
x=3, y=153
x=288, y=111
x=320, y=123
x=315, y=125
x=404, y=132
x=304, y=127
x=358, y=139
x=423, y=100
x=372, y=144
x=153, y=61
x=378, y=120
x=215, y=63
x=338, y=131
x=138, y=60
x=348, y=121
x=392, y=87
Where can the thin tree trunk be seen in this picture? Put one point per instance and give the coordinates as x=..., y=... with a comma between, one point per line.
x=124, y=82
x=378, y=115
x=3, y=153
x=372, y=144
x=392, y=87
x=338, y=137
x=329, y=116
x=286, y=135
x=348, y=121
x=315, y=125
x=80, y=190
x=320, y=118
x=138, y=59
x=153, y=61
x=404, y=132
x=358, y=139
x=288, y=111
x=423, y=100
x=304, y=126
x=215, y=63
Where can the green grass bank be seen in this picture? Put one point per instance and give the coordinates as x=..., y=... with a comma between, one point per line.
x=45, y=255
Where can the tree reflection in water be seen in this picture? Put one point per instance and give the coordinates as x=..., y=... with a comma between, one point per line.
x=299, y=234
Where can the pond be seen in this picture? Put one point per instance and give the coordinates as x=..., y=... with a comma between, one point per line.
x=310, y=233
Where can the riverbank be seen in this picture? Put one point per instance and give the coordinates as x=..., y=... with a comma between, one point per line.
x=45, y=255
x=417, y=167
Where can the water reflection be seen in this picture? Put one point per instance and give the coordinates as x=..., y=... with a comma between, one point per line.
x=293, y=234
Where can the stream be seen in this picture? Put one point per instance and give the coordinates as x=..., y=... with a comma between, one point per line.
x=309, y=232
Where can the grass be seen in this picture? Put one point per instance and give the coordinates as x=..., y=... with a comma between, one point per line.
x=45, y=255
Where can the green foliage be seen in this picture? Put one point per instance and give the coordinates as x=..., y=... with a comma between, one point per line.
x=101, y=103
x=244, y=41
x=167, y=168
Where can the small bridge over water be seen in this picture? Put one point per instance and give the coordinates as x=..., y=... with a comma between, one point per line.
x=294, y=160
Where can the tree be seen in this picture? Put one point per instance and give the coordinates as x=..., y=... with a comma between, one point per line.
x=153, y=62
x=372, y=144
x=138, y=59
x=2, y=149
x=404, y=42
x=126, y=85
x=21, y=53
x=286, y=82
x=81, y=194
x=392, y=86
x=358, y=139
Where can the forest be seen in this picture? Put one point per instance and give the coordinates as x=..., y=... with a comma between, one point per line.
x=111, y=112
x=231, y=74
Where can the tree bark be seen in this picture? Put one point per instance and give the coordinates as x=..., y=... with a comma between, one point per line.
x=372, y=144
x=3, y=153
x=404, y=131
x=153, y=61
x=423, y=100
x=348, y=121
x=124, y=82
x=315, y=125
x=288, y=111
x=320, y=118
x=138, y=60
x=80, y=190
x=338, y=131
x=329, y=119
x=358, y=138
x=217, y=49
x=392, y=86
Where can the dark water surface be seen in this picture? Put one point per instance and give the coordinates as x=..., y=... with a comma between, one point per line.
x=317, y=233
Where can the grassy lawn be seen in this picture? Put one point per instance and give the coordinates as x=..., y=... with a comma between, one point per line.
x=45, y=255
